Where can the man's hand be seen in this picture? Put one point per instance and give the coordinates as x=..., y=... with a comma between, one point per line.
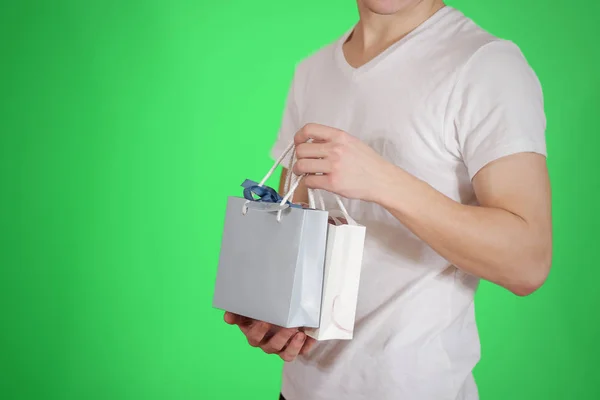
x=288, y=343
x=350, y=168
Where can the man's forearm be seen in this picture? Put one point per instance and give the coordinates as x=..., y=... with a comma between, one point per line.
x=490, y=243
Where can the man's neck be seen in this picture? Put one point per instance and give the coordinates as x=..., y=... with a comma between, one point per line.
x=374, y=32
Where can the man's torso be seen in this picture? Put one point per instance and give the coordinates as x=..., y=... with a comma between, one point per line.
x=415, y=336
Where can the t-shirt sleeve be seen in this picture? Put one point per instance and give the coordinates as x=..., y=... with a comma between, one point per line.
x=499, y=107
x=290, y=123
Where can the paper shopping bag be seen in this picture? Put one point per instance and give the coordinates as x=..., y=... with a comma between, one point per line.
x=343, y=263
x=271, y=260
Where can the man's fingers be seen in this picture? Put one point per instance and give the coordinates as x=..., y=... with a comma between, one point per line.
x=230, y=318
x=245, y=328
x=234, y=319
x=318, y=182
x=313, y=150
x=256, y=333
x=308, y=345
x=292, y=350
x=312, y=166
x=245, y=323
x=316, y=132
x=279, y=340
x=287, y=342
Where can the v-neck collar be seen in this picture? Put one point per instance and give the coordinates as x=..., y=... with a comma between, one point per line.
x=355, y=73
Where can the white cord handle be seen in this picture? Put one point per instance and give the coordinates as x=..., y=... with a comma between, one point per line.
x=279, y=160
x=288, y=178
x=341, y=206
x=294, y=186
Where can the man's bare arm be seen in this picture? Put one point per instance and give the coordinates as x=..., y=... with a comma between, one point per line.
x=506, y=240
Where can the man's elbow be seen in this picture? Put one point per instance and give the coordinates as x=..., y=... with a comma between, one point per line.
x=532, y=275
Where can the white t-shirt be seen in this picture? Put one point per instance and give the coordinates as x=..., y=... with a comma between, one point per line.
x=441, y=103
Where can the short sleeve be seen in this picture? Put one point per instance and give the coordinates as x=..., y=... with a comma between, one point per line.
x=499, y=107
x=290, y=123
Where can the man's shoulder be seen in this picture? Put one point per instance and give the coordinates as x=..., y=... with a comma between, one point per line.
x=317, y=60
x=460, y=37
x=463, y=40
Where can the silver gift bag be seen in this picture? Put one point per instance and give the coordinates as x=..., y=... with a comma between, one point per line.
x=271, y=260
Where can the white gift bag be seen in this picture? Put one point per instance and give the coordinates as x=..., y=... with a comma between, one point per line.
x=343, y=263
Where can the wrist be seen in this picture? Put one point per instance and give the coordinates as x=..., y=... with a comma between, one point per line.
x=387, y=189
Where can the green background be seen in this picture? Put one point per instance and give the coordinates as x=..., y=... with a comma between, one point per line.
x=124, y=126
